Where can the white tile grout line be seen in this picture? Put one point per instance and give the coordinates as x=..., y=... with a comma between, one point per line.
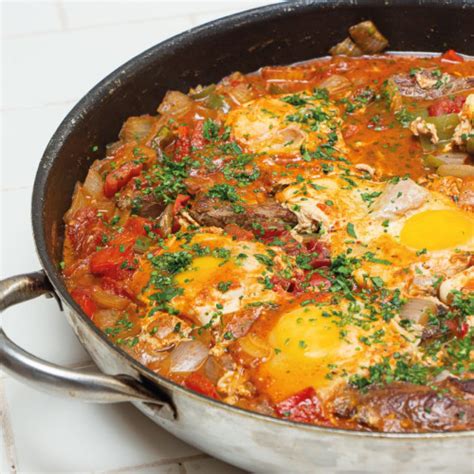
x=162, y=462
x=5, y=425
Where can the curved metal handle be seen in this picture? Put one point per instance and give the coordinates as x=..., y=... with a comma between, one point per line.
x=52, y=378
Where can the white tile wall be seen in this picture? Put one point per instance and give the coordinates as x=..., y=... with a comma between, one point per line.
x=53, y=52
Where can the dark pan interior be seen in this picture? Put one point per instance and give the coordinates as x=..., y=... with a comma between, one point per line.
x=278, y=34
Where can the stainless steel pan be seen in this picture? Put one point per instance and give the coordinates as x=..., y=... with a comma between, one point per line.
x=277, y=34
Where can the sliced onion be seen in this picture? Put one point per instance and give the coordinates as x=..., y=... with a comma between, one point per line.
x=112, y=148
x=213, y=369
x=136, y=128
x=188, y=356
x=459, y=171
x=417, y=310
x=166, y=220
x=109, y=300
x=175, y=103
x=443, y=375
x=255, y=346
x=93, y=185
x=106, y=317
x=335, y=84
x=241, y=93
x=79, y=201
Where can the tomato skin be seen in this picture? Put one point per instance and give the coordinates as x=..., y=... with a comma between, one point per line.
x=83, y=299
x=117, y=179
x=446, y=106
x=323, y=258
x=136, y=225
x=451, y=55
x=197, y=138
x=303, y=406
x=183, y=143
x=458, y=328
x=116, y=287
x=108, y=262
x=238, y=233
x=320, y=282
x=201, y=384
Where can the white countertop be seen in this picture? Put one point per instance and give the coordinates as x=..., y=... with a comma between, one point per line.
x=52, y=54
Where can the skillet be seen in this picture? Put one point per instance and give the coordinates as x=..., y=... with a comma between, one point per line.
x=276, y=34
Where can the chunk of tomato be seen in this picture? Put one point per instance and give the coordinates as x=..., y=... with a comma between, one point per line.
x=85, y=231
x=451, y=55
x=83, y=299
x=201, y=384
x=183, y=143
x=446, y=106
x=197, y=138
x=117, y=179
x=303, y=406
x=238, y=233
x=113, y=262
x=136, y=225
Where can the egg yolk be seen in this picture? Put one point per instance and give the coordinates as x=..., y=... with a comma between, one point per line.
x=306, y=344
x=437, y=230
x=201, y=272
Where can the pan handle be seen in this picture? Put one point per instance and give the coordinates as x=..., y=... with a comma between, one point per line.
x=52, y=378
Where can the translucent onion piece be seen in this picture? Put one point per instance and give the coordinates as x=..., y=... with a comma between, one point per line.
x=213, y=369
x=166, y=220
x=346, y=48
x=79, y=201
x=368, y=37
x=241, y=93
x=255, y=346
x=175, y=103
x=94, y=185
x=459, y=171
x=188, y=356
x=136, y=128
x=109, y=300
x=335, y=84
x=417, y=310
x=112, y=148
x=106, y=317
x=445, y=374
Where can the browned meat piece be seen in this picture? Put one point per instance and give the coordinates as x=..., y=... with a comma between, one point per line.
x=269, y=216
x=429, y=84
x=239, y=323
x=145, y=205
x=410, y=408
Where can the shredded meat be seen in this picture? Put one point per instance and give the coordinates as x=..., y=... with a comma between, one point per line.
x=420, y=126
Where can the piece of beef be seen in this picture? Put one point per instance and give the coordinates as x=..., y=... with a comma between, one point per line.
x=405, y=407
x=428, y=84
x=141, y=203
x=268, y=216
